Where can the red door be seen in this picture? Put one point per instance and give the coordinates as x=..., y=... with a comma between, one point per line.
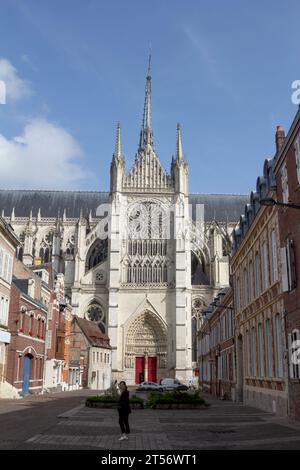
x=152, y=377
x=139, y=370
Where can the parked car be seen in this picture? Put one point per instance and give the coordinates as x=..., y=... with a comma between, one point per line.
x=193, y=383
x=172, y=384
x=150, y=386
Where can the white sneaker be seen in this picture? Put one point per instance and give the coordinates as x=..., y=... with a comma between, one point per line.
x=123, y=437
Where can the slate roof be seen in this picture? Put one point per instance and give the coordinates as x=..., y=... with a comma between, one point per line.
x=9, y=231
x=222, y=207
x=22, y=285
x=93, y=333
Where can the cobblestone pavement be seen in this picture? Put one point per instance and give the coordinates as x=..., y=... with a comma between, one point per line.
x=61, y=421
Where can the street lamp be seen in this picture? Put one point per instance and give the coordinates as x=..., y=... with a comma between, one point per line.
x=215, y=304
x=271, y=202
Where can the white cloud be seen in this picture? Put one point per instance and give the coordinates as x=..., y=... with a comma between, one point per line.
x=44, y=156
x=16, y=88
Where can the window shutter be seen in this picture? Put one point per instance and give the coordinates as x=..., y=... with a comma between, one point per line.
x=292, y=264
x=284, y=273
x=1, y=262
x=9, y=271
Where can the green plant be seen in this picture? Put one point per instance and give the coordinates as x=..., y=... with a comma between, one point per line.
x=174, y=397
x=135, y=399
x=102, y=398
x=112, y=398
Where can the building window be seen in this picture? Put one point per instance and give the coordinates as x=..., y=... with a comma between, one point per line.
x=39, y=328
x=266, y=265
x=100, y=276
x=297, y=156
x=269, y=348
x=294, y=345
x=246, y=288
x=257, y=275
x=96, y=314
x=4, y=310
x=248, y=352
x=274, y=255
x=20, y=251
x=31, y=325
x=278, y=344
x=288, y=267
x=284, y=184
x=251, y=282
x=6, y=265
x=238, y=294
x=253, y=351
x=261, y=354
x=97, y=253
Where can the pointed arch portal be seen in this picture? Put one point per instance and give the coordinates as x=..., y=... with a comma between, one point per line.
x=146, y=347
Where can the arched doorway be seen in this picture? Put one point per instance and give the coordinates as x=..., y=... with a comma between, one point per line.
x=26, y=373
x=146, y=348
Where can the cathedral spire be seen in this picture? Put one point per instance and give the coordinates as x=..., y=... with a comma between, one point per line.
x=179, y=151
x=146, y=136
x=118, y=149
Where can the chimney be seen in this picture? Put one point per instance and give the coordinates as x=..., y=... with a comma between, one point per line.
x=279, y=138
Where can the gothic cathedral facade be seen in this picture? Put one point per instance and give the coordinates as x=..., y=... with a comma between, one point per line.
x=141, y=260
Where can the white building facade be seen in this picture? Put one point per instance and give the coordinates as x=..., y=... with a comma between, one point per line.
x=141, y=260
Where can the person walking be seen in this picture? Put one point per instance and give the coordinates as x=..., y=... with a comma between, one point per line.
x=116, y=387
x=124, y=410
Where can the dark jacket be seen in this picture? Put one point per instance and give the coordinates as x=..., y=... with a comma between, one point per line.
x=123, y=404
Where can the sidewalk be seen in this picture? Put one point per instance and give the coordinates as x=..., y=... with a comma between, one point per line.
x=224, y=425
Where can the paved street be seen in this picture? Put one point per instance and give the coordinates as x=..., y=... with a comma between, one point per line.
x=61, y=421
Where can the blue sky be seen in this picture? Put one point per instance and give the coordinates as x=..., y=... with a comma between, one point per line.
x=222, y=69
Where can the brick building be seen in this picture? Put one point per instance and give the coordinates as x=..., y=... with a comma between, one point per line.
x=58, y=326
x=27, y=322
x=8, y=244
x=30, y=300
x=258, y=301
x=216, y=347
x=287, y=172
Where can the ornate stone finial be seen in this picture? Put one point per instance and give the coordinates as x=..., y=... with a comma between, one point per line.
x=12, y=217
x=39, y=216
x=118, y=149
x=146, y=136
x=179, y=151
